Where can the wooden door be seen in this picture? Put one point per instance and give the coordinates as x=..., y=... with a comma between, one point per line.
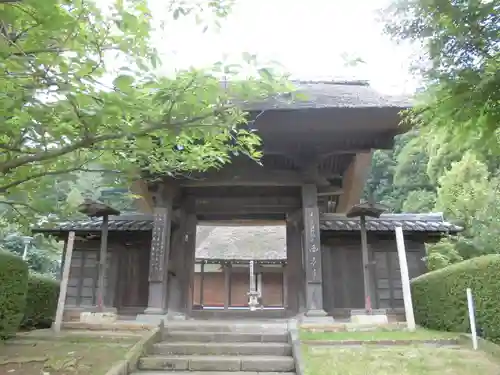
x=132, y=279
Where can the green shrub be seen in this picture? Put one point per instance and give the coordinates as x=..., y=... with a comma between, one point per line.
x=41, y=302
x=440, y=301
x=13, y=287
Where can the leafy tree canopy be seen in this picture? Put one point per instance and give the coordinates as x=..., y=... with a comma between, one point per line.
x=461, y=69
x=78, y=87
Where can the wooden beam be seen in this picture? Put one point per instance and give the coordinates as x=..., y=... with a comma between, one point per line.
x=329, y=191
x=242, y=217
x=248, y=205
x=240, y=223
x=326, y=146
x=144, y=202
x=354, y=181
x=248, y=176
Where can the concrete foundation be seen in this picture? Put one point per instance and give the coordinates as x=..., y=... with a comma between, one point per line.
x=96, y=317
x=158, y=318
x=313, y=317
x=363, y=317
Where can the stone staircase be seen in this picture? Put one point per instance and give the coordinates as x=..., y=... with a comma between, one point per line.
x=220, y=348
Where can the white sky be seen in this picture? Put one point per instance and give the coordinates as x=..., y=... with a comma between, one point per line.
x=308, y=38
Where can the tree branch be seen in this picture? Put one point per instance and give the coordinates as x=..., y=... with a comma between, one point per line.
x=18, y=203
x=9, y=148
x=88, y=142
x=34, y=176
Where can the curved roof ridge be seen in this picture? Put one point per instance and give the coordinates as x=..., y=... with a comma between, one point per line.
x=347, y=82
x=431, y=216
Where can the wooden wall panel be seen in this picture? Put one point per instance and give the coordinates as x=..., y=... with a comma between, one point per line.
x=213, y=289
x=345, y=281
x=82, y=283
x=272, y=289
x=126, y=281
x=132, y=285
x=240, y=285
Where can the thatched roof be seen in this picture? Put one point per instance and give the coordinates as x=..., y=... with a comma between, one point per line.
x=330, y=94
x=242, y=243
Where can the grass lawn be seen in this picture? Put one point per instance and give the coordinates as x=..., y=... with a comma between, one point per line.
x=68, y=355
x=405, y=360
x=380, y=334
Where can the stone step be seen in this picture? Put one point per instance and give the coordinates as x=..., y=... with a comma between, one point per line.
x=239, y=314
x=218, y=363
x=228, y=326
x=176, y=336
x=210, y=373
x=222, y=348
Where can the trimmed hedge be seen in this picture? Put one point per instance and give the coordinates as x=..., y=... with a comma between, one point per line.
x=13, y=287
x=440, y=301
x=41, y=302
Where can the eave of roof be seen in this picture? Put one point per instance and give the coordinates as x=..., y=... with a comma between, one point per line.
x=328, y=222
x=426, y=223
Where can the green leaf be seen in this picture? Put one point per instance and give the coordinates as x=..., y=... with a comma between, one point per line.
x=123, y=82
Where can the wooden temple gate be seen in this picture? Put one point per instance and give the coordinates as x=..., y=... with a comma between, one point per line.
x=316, y=154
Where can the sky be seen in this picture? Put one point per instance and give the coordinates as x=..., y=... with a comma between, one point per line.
x=308, y=38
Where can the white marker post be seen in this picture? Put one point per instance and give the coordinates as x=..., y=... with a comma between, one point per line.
x=405, y=279
x=472, y=318
x=56, y=326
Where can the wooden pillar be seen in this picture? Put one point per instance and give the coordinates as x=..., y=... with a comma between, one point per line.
x=174, y=304
x=366, y=265
x=202, y=277
x=159, y=256
x=110, y=296
x=227, y=286
x=295, y=279
x=284, y=297
x=326, y=253
x=189, y=255
x=103, y=255
x=312, y=252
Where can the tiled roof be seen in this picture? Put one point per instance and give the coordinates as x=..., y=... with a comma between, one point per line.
x=332, y=222
x=388, y=222
x=263, y=242
x=330, y=94
x=116, y=223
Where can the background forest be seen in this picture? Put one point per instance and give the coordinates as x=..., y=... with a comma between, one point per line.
x=425, y=172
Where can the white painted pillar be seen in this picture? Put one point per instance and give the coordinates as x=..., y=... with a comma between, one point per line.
x=405, y=279
x=63, y=288
x=472, y=318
